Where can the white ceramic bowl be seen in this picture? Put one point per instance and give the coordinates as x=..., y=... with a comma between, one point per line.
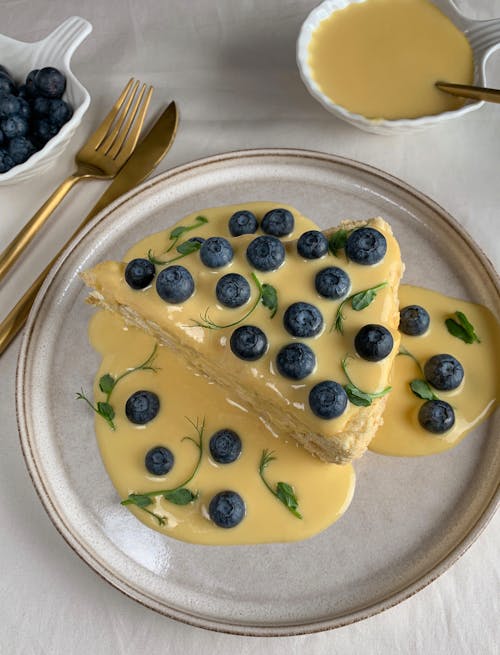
x=55, y=50
x=483, y=36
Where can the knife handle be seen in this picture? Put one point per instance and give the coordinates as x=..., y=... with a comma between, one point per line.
x=16, y=319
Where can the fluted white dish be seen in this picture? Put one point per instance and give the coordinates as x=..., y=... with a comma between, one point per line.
x=55, y=50
x=483, y=36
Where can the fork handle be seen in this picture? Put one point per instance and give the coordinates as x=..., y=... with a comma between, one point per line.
x=20, y=242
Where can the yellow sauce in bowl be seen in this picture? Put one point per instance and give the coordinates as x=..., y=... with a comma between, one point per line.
x=381, y=59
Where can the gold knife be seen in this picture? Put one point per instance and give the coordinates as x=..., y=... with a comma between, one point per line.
x=146, y=156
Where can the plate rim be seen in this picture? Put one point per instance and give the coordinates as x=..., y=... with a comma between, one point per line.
x=82, y=550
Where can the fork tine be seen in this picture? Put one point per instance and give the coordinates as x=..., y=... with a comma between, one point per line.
x=114, y=147
x=103, y=128
x=127, y=140
x=110, y=137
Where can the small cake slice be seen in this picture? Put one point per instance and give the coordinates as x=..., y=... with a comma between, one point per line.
x=298, y=326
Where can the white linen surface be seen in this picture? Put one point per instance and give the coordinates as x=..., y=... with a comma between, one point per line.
x=230, y=64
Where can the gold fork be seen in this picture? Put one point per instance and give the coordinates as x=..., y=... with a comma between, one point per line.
x=101, y=157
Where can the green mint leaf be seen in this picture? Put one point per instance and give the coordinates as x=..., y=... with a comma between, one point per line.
x=188, y=247
x=140, y=500
x=422, y=389
x=463, y=330
x=180, y=496
x=287, y=496
x=468, y=327
x=457, y=330
x=363, y=299
x=106, y=383
x=337, y=241
x=270, y=298
x=106, y=411
x=356, y=396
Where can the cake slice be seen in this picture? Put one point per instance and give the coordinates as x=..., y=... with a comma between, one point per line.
x=299, y=327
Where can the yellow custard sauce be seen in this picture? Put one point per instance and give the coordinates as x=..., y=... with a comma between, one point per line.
x=476, y=397
x=381, y=58
x=324, y=491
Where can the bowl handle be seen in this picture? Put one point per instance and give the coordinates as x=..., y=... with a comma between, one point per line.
x=67, y=37
x=484, y=37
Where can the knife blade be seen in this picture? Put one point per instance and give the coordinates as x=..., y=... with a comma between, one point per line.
x=146, y=156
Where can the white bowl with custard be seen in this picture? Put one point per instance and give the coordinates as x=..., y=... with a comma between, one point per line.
x=373, y=63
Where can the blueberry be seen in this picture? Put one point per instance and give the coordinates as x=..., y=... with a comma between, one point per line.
x=227, y=509
x=2, y=138
x=20, y=149
x=30, y=81
x=332, y=282
x=366, y=246
x=59, y=112
x=159, y=460
x=142, y=407
x=373, y=342
x=296, y=361
x=303, y=320
x=248, y=342
x=444, y=372
x=312, y=245
x=216, y=252
x=24, y=108
x=232, y=290
x=23, y=92
x=9, y=105
x=41, y=106
x=225, y=446
x=175, y=284
x=436, y=416
x=14, y=126
x=196, y=240
x=266, y=253
x=5, y=72
x=414, y=320
x=139, y=273
x=7, y=86
x=278, y=222
x=6, y=161
x=50, y=82
x=328, y=399
x=43, y=131
x=243, y=222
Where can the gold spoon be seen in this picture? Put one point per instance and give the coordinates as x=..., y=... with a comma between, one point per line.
x=468, y=91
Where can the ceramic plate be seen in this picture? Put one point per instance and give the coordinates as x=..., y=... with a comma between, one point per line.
x=410, y=519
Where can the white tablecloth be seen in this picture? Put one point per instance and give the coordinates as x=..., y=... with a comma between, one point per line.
x=230, y=65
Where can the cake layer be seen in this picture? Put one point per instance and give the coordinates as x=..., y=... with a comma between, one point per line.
x=201, y=328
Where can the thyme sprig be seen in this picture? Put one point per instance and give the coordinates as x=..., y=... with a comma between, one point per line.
x=267, y=295
x=420, y=387
x=358, y=301
x=107, y=383
x=184, y=249
x=177, y=232
x=283, y=492
x=178, y=495
x=356, y=395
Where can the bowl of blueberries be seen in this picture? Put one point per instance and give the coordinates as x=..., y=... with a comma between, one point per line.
x=41, y=101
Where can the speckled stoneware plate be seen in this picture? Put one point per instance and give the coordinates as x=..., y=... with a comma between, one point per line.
x=410, y=519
